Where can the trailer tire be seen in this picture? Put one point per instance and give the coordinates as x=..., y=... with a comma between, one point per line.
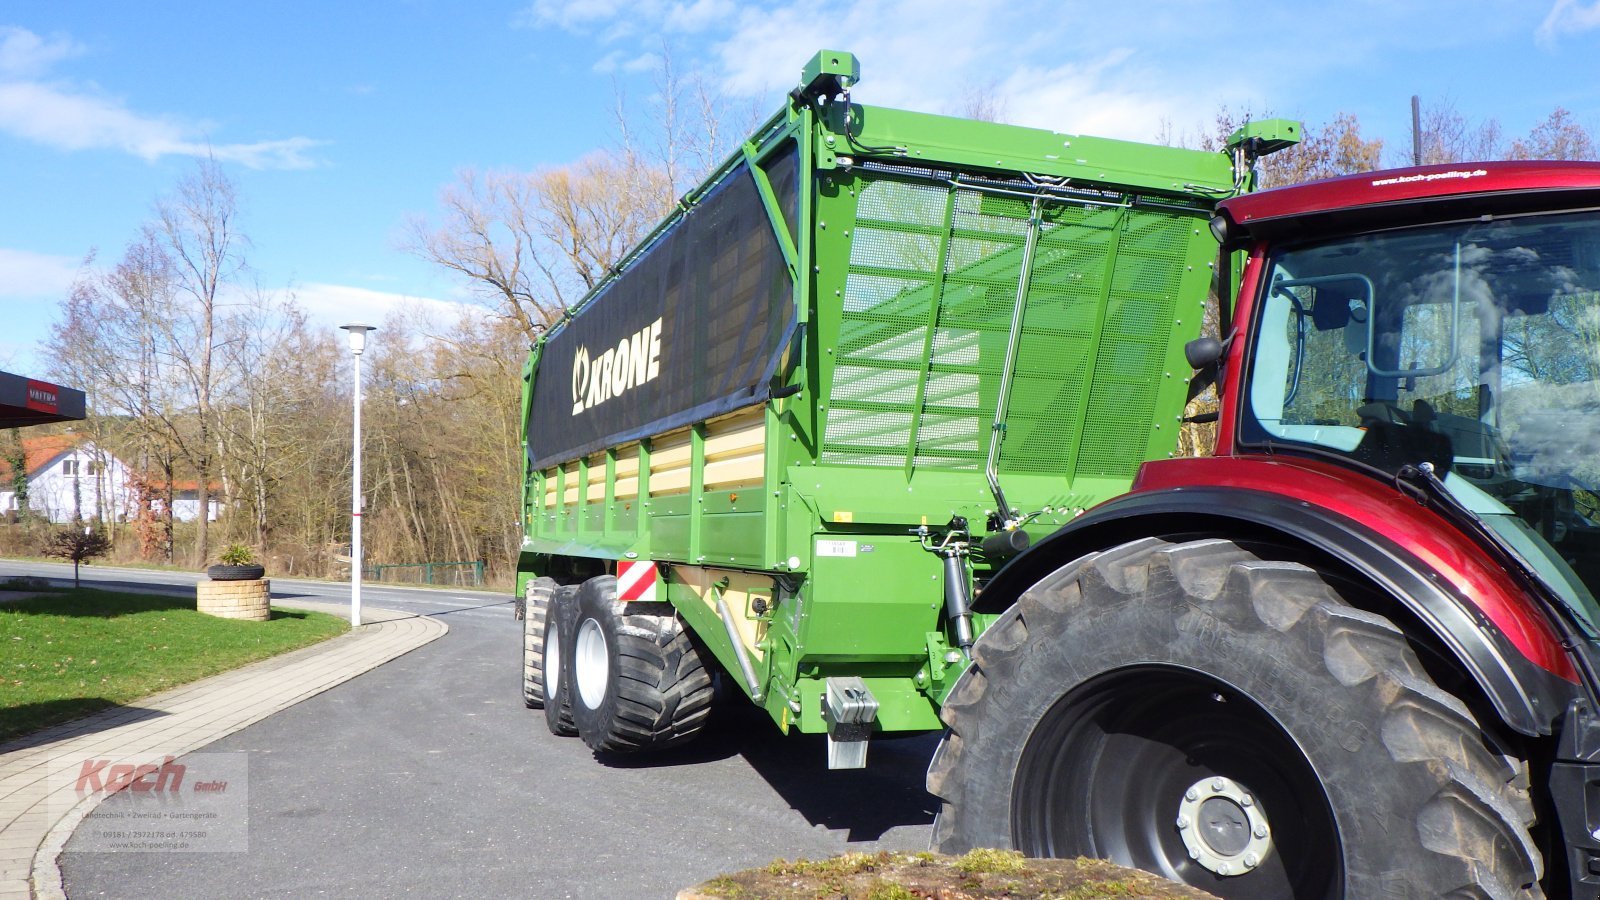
x=535, y=612
x=556, y=664
x=640, y=681
x=1165, y=704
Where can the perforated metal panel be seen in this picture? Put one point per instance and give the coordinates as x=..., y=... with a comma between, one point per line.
x=927, y=312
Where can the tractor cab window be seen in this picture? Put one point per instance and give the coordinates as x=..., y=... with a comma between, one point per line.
x=1472, y=346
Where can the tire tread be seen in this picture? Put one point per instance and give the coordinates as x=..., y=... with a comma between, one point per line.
x=1474, y=818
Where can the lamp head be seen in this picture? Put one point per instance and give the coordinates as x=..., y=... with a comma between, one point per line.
x=358, y=336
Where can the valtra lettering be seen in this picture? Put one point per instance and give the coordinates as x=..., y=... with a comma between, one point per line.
x=635, y=360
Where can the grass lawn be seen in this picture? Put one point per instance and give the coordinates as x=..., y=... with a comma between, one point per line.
x=66, y=654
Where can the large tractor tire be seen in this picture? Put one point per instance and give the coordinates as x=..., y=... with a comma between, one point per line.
x=639, y=679
x=535, y=612
x=1232, y=723
x=556, y=664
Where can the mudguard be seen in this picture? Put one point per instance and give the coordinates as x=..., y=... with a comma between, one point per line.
x=1528, y=697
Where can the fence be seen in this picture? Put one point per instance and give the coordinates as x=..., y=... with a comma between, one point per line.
x=455, y=568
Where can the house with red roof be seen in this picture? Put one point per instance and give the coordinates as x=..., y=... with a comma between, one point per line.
x=70, y=479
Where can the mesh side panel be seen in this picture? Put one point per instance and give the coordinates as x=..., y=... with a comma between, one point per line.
x=981, y=272
x=883, y=326
x=864, y=385
x=1094, y=334
x=1064, y=291
x=1133, y=343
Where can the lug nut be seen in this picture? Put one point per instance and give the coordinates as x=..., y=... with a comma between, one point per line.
x=1247, y=800
x=1218, y=785
x=1191, y=794
x=1183, y=821
x=1261, y=831
x=1250, y=861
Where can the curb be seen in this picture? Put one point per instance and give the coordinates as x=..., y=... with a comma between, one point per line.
x=187, y=718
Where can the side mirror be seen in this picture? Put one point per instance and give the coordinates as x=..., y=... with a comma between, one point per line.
x=1202, y=352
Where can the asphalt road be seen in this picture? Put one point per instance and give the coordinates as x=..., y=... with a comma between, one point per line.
x=427, y=777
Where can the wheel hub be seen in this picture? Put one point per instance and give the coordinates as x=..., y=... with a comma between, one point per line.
x=1222, y=826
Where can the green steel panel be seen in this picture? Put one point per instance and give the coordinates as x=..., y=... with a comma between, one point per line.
x=668, y=523
x=733, y=539
x=857, y=613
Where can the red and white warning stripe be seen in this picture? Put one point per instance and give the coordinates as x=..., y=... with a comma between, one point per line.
x=636, y=580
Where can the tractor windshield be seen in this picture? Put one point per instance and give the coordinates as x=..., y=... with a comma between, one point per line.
x=1472, y=346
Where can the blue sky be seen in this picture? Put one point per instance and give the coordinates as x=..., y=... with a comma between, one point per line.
x=339, y=120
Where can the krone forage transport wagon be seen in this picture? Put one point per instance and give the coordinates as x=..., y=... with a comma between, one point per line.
x=877, y=425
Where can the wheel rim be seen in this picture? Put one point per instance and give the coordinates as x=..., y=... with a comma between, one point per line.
x=552, y=663
x=591, y=664
x=1182, y=776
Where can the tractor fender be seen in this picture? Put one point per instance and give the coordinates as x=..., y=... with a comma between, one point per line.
x=1528, y=697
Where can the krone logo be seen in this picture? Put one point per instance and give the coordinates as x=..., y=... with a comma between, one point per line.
x=635, y=360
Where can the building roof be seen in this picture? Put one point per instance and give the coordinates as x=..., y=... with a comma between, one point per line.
x=38, y=452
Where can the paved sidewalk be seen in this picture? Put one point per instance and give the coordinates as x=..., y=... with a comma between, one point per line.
x=174, y=723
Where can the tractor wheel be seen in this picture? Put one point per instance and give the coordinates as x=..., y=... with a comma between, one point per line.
x=639, y=679
x=535, y=612
x=1229, y=722
x=556, y=683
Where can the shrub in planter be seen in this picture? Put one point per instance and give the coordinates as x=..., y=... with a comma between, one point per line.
x=236, y=562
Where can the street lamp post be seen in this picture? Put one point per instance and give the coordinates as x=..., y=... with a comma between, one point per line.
x=358, y=343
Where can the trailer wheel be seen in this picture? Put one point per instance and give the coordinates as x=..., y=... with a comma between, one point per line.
x=1229, y=722
x=556, y=666
x=639, y=679
x=535, y=612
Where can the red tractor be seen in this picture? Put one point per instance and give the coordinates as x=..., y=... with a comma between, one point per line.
x=1355, y=653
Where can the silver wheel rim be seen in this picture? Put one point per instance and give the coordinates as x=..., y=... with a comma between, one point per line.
x=552, y=665
x=591, y=664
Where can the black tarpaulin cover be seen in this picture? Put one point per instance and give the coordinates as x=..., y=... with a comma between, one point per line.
x=694, y=328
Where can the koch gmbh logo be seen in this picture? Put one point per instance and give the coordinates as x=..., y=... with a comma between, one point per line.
x=635, y=360
x=200, y=804
x=100, y=776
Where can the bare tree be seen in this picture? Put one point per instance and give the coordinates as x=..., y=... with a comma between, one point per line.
x=986, y=103
x=197, y=222
x=532, y=243
x=112, y=339
x=1449, y=137
x=1325, y=151
x=1557, y=137
x=143, y=337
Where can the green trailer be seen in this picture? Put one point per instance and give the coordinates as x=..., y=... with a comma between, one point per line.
x=794, y=432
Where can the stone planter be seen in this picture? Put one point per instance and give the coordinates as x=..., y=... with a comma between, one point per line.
x=236, y=599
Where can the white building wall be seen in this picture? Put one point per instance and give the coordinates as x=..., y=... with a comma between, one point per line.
x=65, y=489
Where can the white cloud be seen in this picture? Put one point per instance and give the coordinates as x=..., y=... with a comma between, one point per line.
x=698, y=15
x=29, y=277
x=1022, y=51
x=920, y=64
x=338, y=304
x=24, y=54
x=1568, y=17
x=617, y=18
x=573, y=15
x=69, y=117
x=32, y=286
x=621, y=61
